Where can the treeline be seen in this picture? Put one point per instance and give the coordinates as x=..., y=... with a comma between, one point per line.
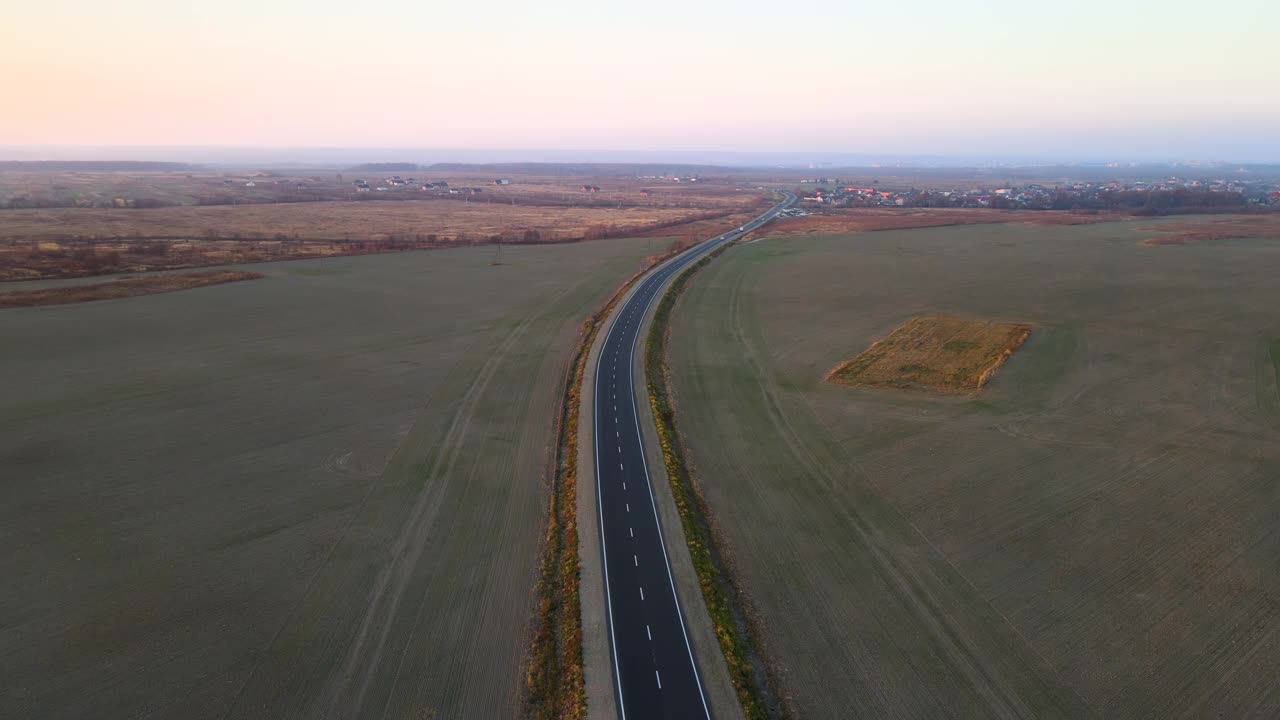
x=94, y=166
x=28, y=202
x=584, y=169
x=384, y=167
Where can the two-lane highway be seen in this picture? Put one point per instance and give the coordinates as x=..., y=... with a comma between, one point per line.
x=655, y=673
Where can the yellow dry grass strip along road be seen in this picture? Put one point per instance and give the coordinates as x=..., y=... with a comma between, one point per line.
x=554, y=684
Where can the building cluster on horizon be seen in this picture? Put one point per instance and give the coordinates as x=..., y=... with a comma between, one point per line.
x=442, y=187
x=1172, y=191
x=687, y=178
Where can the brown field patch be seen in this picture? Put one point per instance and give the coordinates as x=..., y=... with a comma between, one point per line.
x=109, y=189
x=942, y=354
x=444, y=218
x=867, y=219
x=1220, y=229
x=76, y=242
x=122, y=288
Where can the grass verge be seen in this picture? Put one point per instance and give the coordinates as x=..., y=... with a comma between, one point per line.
x=122, y=288
x=754, y=683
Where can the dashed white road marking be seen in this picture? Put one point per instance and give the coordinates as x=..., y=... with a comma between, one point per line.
x=639, y=303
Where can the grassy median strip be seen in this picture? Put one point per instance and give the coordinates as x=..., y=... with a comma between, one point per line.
x=725, y=603
x=122, y=288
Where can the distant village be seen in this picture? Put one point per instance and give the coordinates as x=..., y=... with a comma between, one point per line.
x=443, y=187
x=1170, y=193
x=438, y=188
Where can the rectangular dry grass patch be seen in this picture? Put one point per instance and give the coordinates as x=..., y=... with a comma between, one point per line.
x=941, y=354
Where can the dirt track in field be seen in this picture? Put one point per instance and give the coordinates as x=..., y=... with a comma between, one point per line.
x=318, y=494
x=1092, y=536
x=842, y=220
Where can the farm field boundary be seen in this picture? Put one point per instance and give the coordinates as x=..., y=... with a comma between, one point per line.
x=122, y=288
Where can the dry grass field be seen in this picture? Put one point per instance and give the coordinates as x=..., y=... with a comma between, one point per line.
x=24, y=260
x=105, y=188
x=317, y=494
x=1180, y=233
x=844, y=220
x=448, y=219
x=264, y=225
x=1095, y=534
x=942, y=354
x=121, y=288
x=76, y=242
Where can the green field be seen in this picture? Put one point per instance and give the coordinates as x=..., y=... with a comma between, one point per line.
x=1096, y=534
x=317, y=494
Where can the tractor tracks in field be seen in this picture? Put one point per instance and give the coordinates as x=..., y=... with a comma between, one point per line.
x=917, y=587
x=410, y=545
x=361, y=659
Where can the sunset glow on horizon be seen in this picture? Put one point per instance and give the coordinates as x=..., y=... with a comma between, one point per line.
x=1149, y=77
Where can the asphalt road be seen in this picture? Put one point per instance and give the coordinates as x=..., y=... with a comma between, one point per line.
x=654, y=670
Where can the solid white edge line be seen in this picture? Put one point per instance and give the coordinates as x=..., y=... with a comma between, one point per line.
x=604, y=549
x=604, y=552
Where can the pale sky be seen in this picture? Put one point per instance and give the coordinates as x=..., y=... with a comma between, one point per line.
x=1190, y=80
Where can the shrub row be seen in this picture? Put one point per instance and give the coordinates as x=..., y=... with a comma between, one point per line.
x=555, y=689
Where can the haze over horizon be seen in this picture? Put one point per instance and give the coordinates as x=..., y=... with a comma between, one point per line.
x=1155, y=81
